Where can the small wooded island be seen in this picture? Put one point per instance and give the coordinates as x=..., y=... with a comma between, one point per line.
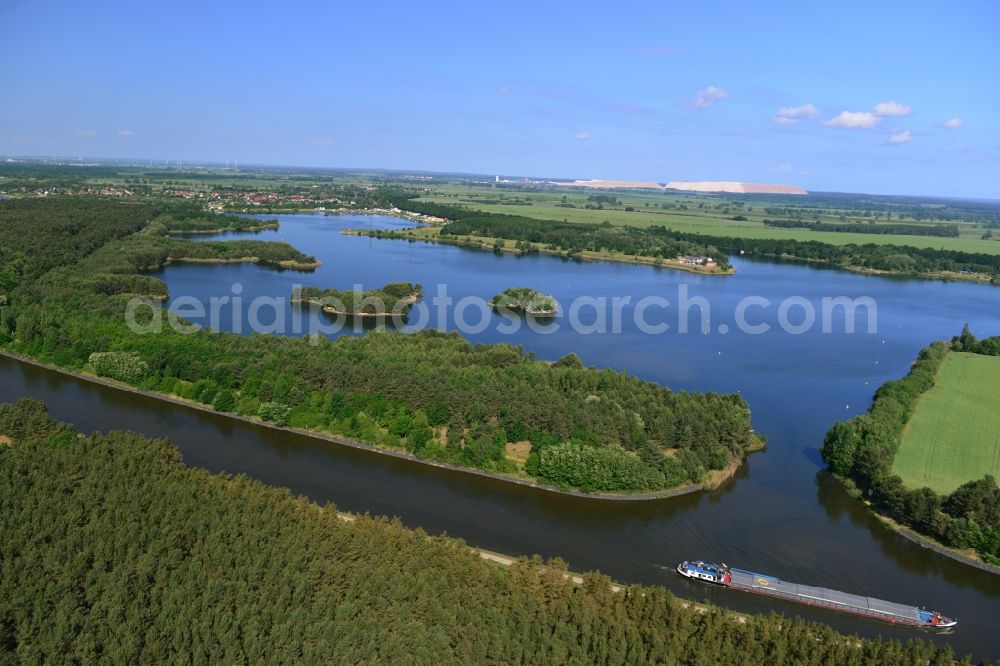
x=393, y=298
x=526, y=300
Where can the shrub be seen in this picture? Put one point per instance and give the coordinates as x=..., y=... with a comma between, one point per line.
x=224, y=401
x=275, y=412
x=596, y=468
x=124, y=366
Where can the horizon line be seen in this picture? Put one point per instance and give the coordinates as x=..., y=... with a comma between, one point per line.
x=136, y=161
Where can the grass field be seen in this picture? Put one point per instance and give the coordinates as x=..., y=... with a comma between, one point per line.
x=710, y=219
x=954, y=434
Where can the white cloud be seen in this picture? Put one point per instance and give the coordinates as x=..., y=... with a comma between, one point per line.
x=900, y=137
x=709, y=96
x=853, y=120
x=953, y=123
x=789, y=115
x=892, y=108
x=125, y=133
x=582, y=136
x=505, y=90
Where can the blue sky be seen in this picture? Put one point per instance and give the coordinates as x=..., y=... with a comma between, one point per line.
x=653, y=91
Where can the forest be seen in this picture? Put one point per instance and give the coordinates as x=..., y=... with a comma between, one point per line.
x=432, y=394
x=861, y=451
x=392, y=298
x=115, y=552
x=72, y=230
x=658, y=241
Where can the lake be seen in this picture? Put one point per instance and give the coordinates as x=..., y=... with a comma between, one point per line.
x=780, y=515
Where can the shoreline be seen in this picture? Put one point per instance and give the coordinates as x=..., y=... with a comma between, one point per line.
x=943, y=276
x=195, y=232
x=284, y=263
x=381, y=212
x=585, y=255
x=404, y=455
x=931, y=544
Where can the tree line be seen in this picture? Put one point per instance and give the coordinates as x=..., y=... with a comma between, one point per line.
x=861, y=452
x=114, y=551
x=945, y=230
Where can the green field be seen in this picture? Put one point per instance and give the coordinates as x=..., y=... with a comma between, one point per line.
x=704, y=215
x=954, y=434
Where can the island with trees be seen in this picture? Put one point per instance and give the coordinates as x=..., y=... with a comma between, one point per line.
x=926, y=453
x=429, y=395
x=526, y=300
x=394, y=298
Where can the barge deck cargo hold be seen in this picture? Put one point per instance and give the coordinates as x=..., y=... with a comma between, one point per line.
x=759, y=583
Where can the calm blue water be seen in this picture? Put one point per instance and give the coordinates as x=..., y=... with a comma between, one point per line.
x=796, y=384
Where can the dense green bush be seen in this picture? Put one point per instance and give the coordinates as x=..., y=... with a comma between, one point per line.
x=123, y=366
x=275, y=412
x=596, y=468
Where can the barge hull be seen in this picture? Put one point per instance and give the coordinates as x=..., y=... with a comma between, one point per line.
x=879, y=609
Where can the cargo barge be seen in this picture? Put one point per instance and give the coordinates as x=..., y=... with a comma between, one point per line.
x=758, y=583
